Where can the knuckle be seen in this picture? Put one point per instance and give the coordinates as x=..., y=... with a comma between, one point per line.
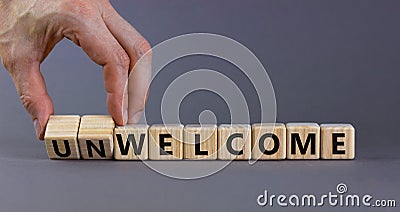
x=142, y=47
x=26, y=100
x=79, y=7
x=141, y=106
x=36, y=104
x=122, y=58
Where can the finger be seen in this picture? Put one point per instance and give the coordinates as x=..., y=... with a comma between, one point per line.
x=101, y=46
x=31, y=88
x=139, y=52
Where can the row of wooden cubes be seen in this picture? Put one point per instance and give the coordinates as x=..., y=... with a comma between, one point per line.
x=96, y=137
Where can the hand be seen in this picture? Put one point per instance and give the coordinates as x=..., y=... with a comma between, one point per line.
x=29, y=30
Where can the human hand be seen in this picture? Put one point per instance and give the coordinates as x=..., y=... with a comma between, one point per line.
x=29, y=30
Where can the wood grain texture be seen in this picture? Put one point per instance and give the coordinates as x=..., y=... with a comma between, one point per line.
x=337, y=141
x=234, y=142
x=131, y=142
x=61, y=137
x=90, y=118
x=95, y=137
x=268, y=141
x=170, y=137
x=62, y=127
x=206, y=136
x=303, y=141
x=64, y=118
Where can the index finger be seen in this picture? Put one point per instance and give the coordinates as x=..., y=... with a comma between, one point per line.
x=139, y=52
x=101, y=46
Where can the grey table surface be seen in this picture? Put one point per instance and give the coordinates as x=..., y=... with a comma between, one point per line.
x=329, y=61
x=38, y=184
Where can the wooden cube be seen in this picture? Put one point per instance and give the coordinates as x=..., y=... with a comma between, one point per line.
x=61, y=137
x=303, y=141
x=97, y=122
x=96, y=137
x=337, y=141
x=200, y=142
x=268, y=141
x=64, y=119
x=166, y=142
x=92, y=118
x=62, y=127
x=234, y=142
x=131, y=142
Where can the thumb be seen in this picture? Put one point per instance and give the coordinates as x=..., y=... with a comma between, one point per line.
x=31, y=88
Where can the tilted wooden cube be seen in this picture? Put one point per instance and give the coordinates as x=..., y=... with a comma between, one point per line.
x=166, y=142
x=61, y=137
x=131, y=142
x=303, y=141
x=337, y=141
x=234, y=142
x=268, y=141
x=96, y=137
x=200, y=142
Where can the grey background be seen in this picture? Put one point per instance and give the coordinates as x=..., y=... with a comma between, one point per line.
x=329, y=61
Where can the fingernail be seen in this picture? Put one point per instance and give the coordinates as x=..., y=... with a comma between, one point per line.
x=136, y=117
x=125, y=116
x=38, y=129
